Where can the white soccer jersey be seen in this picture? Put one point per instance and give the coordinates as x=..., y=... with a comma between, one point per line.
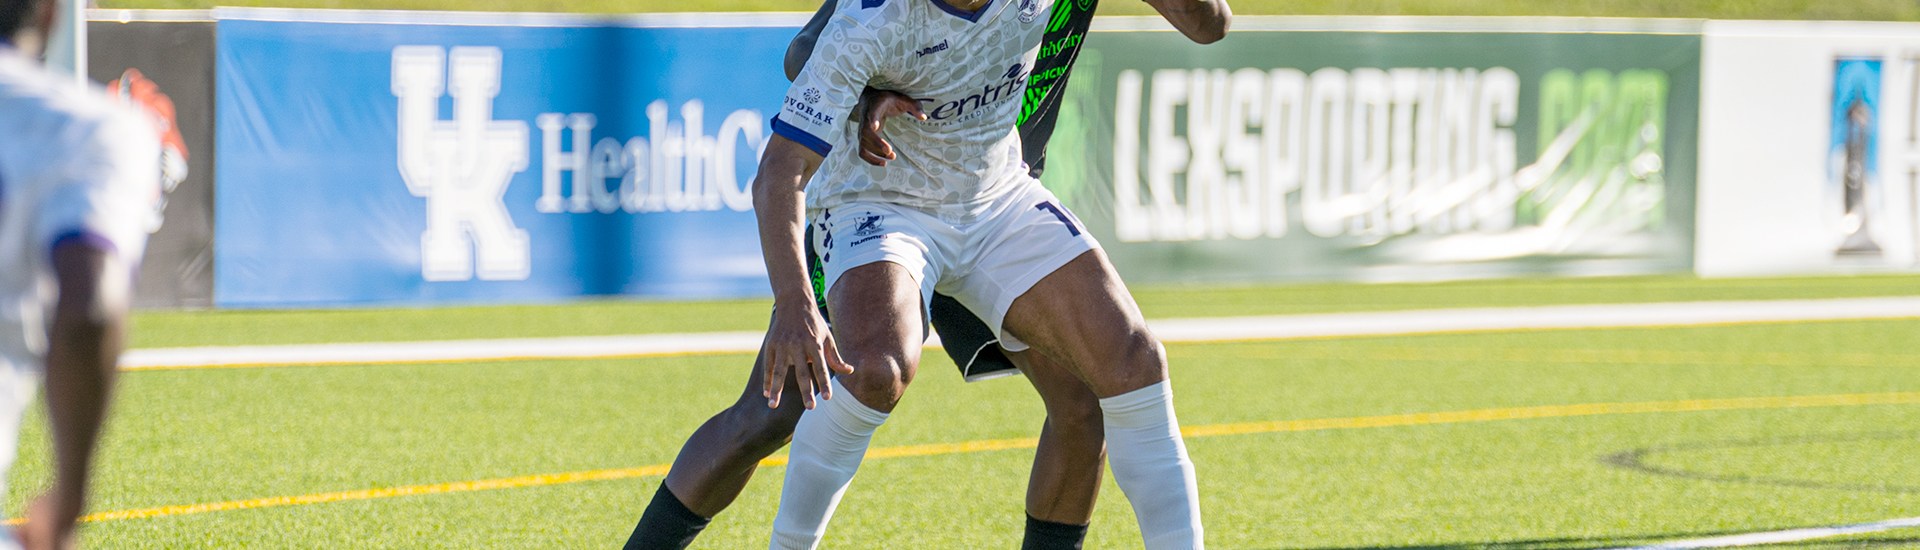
x=72, y=166
x=969, y=72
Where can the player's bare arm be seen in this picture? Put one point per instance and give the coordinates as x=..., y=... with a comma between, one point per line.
x=1203, y=21
x=86, y=336
x=798, y=340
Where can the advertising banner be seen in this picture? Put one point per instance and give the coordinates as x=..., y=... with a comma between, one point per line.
x=426, y=158
x=1810, y=151
x=166, y=69
x=1344, y=154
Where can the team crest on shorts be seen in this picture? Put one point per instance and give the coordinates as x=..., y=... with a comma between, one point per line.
x=867, y=225
x=1029, y=9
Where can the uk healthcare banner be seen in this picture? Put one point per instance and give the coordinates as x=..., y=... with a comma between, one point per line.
x=411, y=158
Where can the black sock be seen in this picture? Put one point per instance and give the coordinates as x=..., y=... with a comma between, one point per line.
x=666, y=525
x=1047, y=535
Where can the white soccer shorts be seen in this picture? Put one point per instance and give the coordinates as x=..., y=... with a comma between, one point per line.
x=984, y=264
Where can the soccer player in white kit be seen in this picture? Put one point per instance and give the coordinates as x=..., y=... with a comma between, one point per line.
x=956, y=212
x=79, y=185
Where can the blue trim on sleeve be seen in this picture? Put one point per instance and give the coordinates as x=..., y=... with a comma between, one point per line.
x=868, y=4
x=82, y=237
x=800, y=136
x=973, y=16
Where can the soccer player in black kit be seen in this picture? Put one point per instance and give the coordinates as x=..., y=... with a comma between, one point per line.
x=722, y=455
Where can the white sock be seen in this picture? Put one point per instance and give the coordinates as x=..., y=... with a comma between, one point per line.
x=827, y=447
x=1150, y=464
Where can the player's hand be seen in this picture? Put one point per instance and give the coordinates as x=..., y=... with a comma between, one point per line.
x=798, y=342
x=50, y=523
x=876, y=106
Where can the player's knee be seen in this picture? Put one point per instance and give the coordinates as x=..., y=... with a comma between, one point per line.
x=878, y=380
x=1142, y=359
x=1141, y=351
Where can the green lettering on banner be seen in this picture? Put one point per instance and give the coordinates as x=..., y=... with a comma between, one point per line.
x=1601, y=148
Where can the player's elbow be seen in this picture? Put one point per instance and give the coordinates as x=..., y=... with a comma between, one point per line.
x=86, y=318
x=94, y=288
x=785, y=166
x=1210, y=25
x=1207, y=36
x=1212, y=31
x=80, y=328
x=84, y=336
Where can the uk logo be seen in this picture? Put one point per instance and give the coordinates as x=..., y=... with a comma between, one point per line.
x=461, y=166
x=1029, y=10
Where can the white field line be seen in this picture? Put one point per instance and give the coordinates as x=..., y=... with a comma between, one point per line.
x=1791, y=535
x=1276, y=327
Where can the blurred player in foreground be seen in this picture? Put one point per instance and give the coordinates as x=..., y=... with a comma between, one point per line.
x=721, y=457
x=79, y=181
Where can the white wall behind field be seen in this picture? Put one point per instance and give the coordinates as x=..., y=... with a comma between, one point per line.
x=1769, y=197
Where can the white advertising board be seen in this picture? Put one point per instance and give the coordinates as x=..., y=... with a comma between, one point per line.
x=1809, y=156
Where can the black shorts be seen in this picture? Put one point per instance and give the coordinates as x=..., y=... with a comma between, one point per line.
x=968, y=340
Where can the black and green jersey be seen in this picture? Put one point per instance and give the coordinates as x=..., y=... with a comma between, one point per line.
x=1066, y=31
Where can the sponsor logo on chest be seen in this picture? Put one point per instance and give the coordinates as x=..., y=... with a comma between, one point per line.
x=1008, y=86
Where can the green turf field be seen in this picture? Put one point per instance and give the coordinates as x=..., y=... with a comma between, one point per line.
x=1298, y=444
x=1891, y=10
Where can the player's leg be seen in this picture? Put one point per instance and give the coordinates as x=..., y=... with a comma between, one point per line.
x=1081, y=314
x=714, y=465
x=878, y=326
x=1067, y=464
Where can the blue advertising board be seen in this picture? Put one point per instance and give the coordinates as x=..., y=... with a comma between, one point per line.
x=400, y=162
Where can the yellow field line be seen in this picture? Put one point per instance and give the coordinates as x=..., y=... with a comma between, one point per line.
x=1245, y=428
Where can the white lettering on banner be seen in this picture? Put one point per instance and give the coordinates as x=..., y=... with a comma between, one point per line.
x=461, y=167
x=678, y=170
x=1370, y=153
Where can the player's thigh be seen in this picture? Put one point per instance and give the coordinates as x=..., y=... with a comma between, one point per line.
x=877, y=261
x=878, y=327
x=1081, y=314
x=1025, y=237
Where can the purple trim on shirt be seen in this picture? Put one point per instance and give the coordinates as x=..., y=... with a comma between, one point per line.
x=973, y=16
x=83, y=237
x=800, y=136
